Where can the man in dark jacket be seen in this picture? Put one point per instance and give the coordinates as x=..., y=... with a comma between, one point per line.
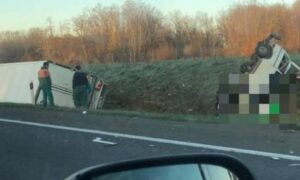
x=81, y=88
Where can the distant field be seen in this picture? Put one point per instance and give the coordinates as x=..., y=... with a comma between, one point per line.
x=178, y=86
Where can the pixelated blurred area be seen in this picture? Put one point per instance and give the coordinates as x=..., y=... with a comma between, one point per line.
x=243, y=98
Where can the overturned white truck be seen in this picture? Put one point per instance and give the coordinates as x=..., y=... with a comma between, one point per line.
x=19, y=84
x=266, y=91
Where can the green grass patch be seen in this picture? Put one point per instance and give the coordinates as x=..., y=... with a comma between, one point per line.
x=185, y=86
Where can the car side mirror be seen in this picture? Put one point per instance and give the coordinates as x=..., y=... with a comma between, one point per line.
x=187, y=167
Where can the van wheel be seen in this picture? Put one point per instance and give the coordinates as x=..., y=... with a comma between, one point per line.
x=245, y=67
x=264, y=51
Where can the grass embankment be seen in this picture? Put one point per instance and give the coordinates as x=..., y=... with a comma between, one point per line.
x=178, y=86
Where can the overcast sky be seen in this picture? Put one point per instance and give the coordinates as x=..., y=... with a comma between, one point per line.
x=23, y=14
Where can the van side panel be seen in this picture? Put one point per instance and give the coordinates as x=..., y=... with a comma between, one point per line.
x=15, y=81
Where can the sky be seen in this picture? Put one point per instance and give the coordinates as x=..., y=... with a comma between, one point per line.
x=24, y=14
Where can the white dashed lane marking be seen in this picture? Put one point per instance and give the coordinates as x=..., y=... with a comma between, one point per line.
x=159, y=140
x=99, y=140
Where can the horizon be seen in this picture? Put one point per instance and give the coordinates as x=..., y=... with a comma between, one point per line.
x=36, y=12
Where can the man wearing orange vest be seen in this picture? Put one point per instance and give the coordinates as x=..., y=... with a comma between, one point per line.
x=45, y=84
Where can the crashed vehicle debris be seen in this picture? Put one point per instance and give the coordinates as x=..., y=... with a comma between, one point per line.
x=267, y=89
x=270, y=58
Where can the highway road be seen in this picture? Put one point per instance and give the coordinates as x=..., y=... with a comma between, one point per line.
x=42, y=144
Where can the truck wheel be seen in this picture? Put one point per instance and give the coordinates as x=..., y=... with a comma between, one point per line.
x=264, y=51
x=245, y=67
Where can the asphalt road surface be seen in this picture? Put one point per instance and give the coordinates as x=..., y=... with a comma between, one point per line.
x=40, y=144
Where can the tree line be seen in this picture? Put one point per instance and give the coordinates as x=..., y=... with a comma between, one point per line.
x=137, y=32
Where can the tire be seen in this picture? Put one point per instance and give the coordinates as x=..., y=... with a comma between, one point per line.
x=245, y=67
x=264, y=51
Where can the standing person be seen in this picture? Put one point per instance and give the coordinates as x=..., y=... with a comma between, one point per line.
x=217, y=104
x=45, y=84
x=81, y=88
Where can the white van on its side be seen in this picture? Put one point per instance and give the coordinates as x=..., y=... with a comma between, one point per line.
x=19, y=84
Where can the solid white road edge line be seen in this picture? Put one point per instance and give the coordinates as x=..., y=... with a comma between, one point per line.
x=159, y=140
x=99, y=140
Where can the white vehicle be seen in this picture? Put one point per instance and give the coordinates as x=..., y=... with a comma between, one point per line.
x=260, y=88
x=19, y=84
x=270, y=58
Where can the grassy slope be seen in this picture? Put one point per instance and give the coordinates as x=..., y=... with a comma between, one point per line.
x=179, y=86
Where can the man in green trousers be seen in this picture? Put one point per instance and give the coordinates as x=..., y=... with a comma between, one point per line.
x=45, y=84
